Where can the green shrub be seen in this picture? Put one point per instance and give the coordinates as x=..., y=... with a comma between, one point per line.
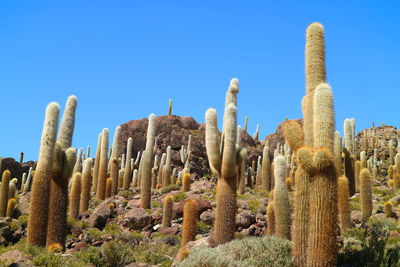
x=117, y=253
x=126, y=194
x=94, y=234
x=179, y=196
x=91, y=255
x=253, y=251
x=23, y=219
x=368, y=246
x=170, y=188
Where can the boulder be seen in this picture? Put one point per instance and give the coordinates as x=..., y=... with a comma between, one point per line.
x=137, y=219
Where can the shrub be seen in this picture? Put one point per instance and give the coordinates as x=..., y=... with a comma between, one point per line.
x=170, y=188
x=179, y=196
x=253, y=251
x=116, y=253
x=368, y=246
x=91, y=255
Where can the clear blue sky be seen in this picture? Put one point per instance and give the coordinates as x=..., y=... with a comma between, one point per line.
x=125, y=59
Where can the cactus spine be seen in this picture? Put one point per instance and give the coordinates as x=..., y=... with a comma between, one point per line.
x=38, y=213
x=281, y=199
x=75, y=195
x=167, y=211
x=145, y=175
x=5, y=180
x=190, y=213
x=114, y=168
x=365, y=194
x=101, y=181
x=97, y=163
x=225, y=164
x=86, y=181
x=344, y=203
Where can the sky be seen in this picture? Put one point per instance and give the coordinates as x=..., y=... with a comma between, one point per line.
x=125, y=59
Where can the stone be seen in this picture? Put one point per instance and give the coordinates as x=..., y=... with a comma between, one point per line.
x=136, y=219
x=208, y=217
x=15, y=256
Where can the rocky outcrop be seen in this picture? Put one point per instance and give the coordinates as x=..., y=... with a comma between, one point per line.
x=383, y=134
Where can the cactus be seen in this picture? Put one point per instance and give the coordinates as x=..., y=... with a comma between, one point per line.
x=258, y=175
x=109, y=184
x=357, y=169
x=337, y=152
x=11, y=189
x=190, y=214
x=265, y=171
x=396, y=180
x=186, y=182
x=97, y=164
x=349, y=170
x=78, y=162
x=348, y=142
x=145, y=175
x=224, y=163
x=167, y=211
x=288, y=182
x=120, y=178
x=114, y=168
x=281, y=199
x=27, y=185
x=363, y=159
x=135, y=179
x=186, y=154
x=242, y=177
x=245, y=124
x=388, y=209
x=86, y=181
x=38, y=212
x=365, y=194
x=166, y=176
x=63, y=165
x=170, y=107
x=23, y=181
x=10, y=207
x=162, y=163
x=75, y=196
x=255, y=136
x=271, y=218
x=5, y=180
x=344, y=203
x=173, y=176
x=128, y=170
x=249, y=182
x=101, y=181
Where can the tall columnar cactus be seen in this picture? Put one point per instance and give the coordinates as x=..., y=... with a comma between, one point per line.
x=97, y=164
x=245, y=124
x=170, y=107
x=318, y=162
x=186, y=182
x=388, y=209
x=135, y=179
x=255, y=136
x=258, y=175
x=160, y=168
x=114, y=166
x=154, y=172
x=78, y=162
x=349, y=170
x=120, y=178
x=23, y=181
x=27, y=184
x=86, y=181
x=10, y=207
x=167, y=211
x=365, y=194
x=363, y=159
x=75, y=195
x=344, y=203
x=102, y=176
x=265, y=172
x=281, y=199
x=38, y=213
x=63, y=165
x=127, y=174
x=348, y=142
x=190, y=214
x=12, y=187
x=224, y=163
x=5, y=179
x=357, y=169
x=166, y=176
x=109, y=183
x=337, y=152
x=145, y=183
x=271, y=218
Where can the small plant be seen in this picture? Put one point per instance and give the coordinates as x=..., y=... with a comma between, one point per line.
x=170, y=188
x=116, y=253
x=179, y=196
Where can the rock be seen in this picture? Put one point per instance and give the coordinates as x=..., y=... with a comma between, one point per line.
x=208, y=217
x=6, y=233
x=137, y=218
x=23, y=204
x=15, y=168
x=133, y=203
x=249, y=215
x=356, y=216
x=206, y=241
x=170, y=240
x=139, y=264
x=15, y=256
x=202, y=203
x=168, y=230
x=100, y=215
x=390, y=132
x=80, y=246
x=242, y=221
